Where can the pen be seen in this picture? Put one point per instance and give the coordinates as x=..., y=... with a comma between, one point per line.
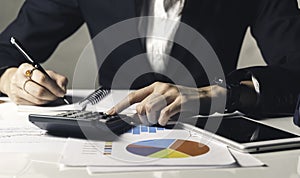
x=33, y=63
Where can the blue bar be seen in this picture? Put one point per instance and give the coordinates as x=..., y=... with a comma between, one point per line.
x=106, y=150
x=136, y=130
x=144, y=129
x=130, y=131
x=152, y=129
x=160, y=128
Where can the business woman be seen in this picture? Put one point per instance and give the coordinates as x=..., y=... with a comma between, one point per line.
x=42, y=25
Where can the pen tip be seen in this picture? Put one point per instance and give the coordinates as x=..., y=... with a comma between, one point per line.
x=12, y=40
x=66, y=101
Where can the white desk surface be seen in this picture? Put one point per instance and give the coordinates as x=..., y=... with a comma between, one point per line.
x=280, y=164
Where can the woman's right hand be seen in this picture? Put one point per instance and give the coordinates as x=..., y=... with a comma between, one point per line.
x=35, y=88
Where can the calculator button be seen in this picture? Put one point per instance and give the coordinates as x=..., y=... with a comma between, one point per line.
x=113, y=118
x=105, y=116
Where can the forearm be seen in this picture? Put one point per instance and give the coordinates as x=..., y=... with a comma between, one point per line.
x=6, y=79
x=245, y=100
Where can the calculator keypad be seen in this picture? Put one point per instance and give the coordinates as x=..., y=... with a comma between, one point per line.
x=86, y=115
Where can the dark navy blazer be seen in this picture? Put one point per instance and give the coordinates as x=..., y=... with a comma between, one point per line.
x=42, y=24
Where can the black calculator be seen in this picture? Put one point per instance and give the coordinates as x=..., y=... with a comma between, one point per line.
x=84, y=124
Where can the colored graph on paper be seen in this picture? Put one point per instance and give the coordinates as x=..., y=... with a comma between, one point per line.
x=166, y=151
x=167, y=148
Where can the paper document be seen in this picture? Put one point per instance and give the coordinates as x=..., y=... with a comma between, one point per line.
x=20, y=131
x=245, y=159
x=98, y=169
x=18, y=127
x=105, y=104
x=43, y=109
x=242, y=160
x=148, y=146
x=22, y=136
x=31, y=144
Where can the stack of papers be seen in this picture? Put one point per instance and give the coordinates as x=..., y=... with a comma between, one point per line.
x=142, y=148
x=152, y=148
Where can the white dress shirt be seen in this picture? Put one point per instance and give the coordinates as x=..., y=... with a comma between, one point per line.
x=167, y=15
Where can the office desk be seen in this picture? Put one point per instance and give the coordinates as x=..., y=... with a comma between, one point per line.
x=280, y=164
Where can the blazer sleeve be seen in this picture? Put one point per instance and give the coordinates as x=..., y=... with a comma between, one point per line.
x=40, y=26
x=276, y=29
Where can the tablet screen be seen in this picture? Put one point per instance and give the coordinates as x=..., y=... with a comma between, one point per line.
x=242, y=130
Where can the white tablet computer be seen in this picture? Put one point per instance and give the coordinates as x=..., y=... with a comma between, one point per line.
x=244, y=134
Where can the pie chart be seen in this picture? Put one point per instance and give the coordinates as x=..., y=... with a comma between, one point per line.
x=167, y=148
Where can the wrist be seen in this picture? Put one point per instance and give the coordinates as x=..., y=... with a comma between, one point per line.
x=215, y=94
x=233, y=97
